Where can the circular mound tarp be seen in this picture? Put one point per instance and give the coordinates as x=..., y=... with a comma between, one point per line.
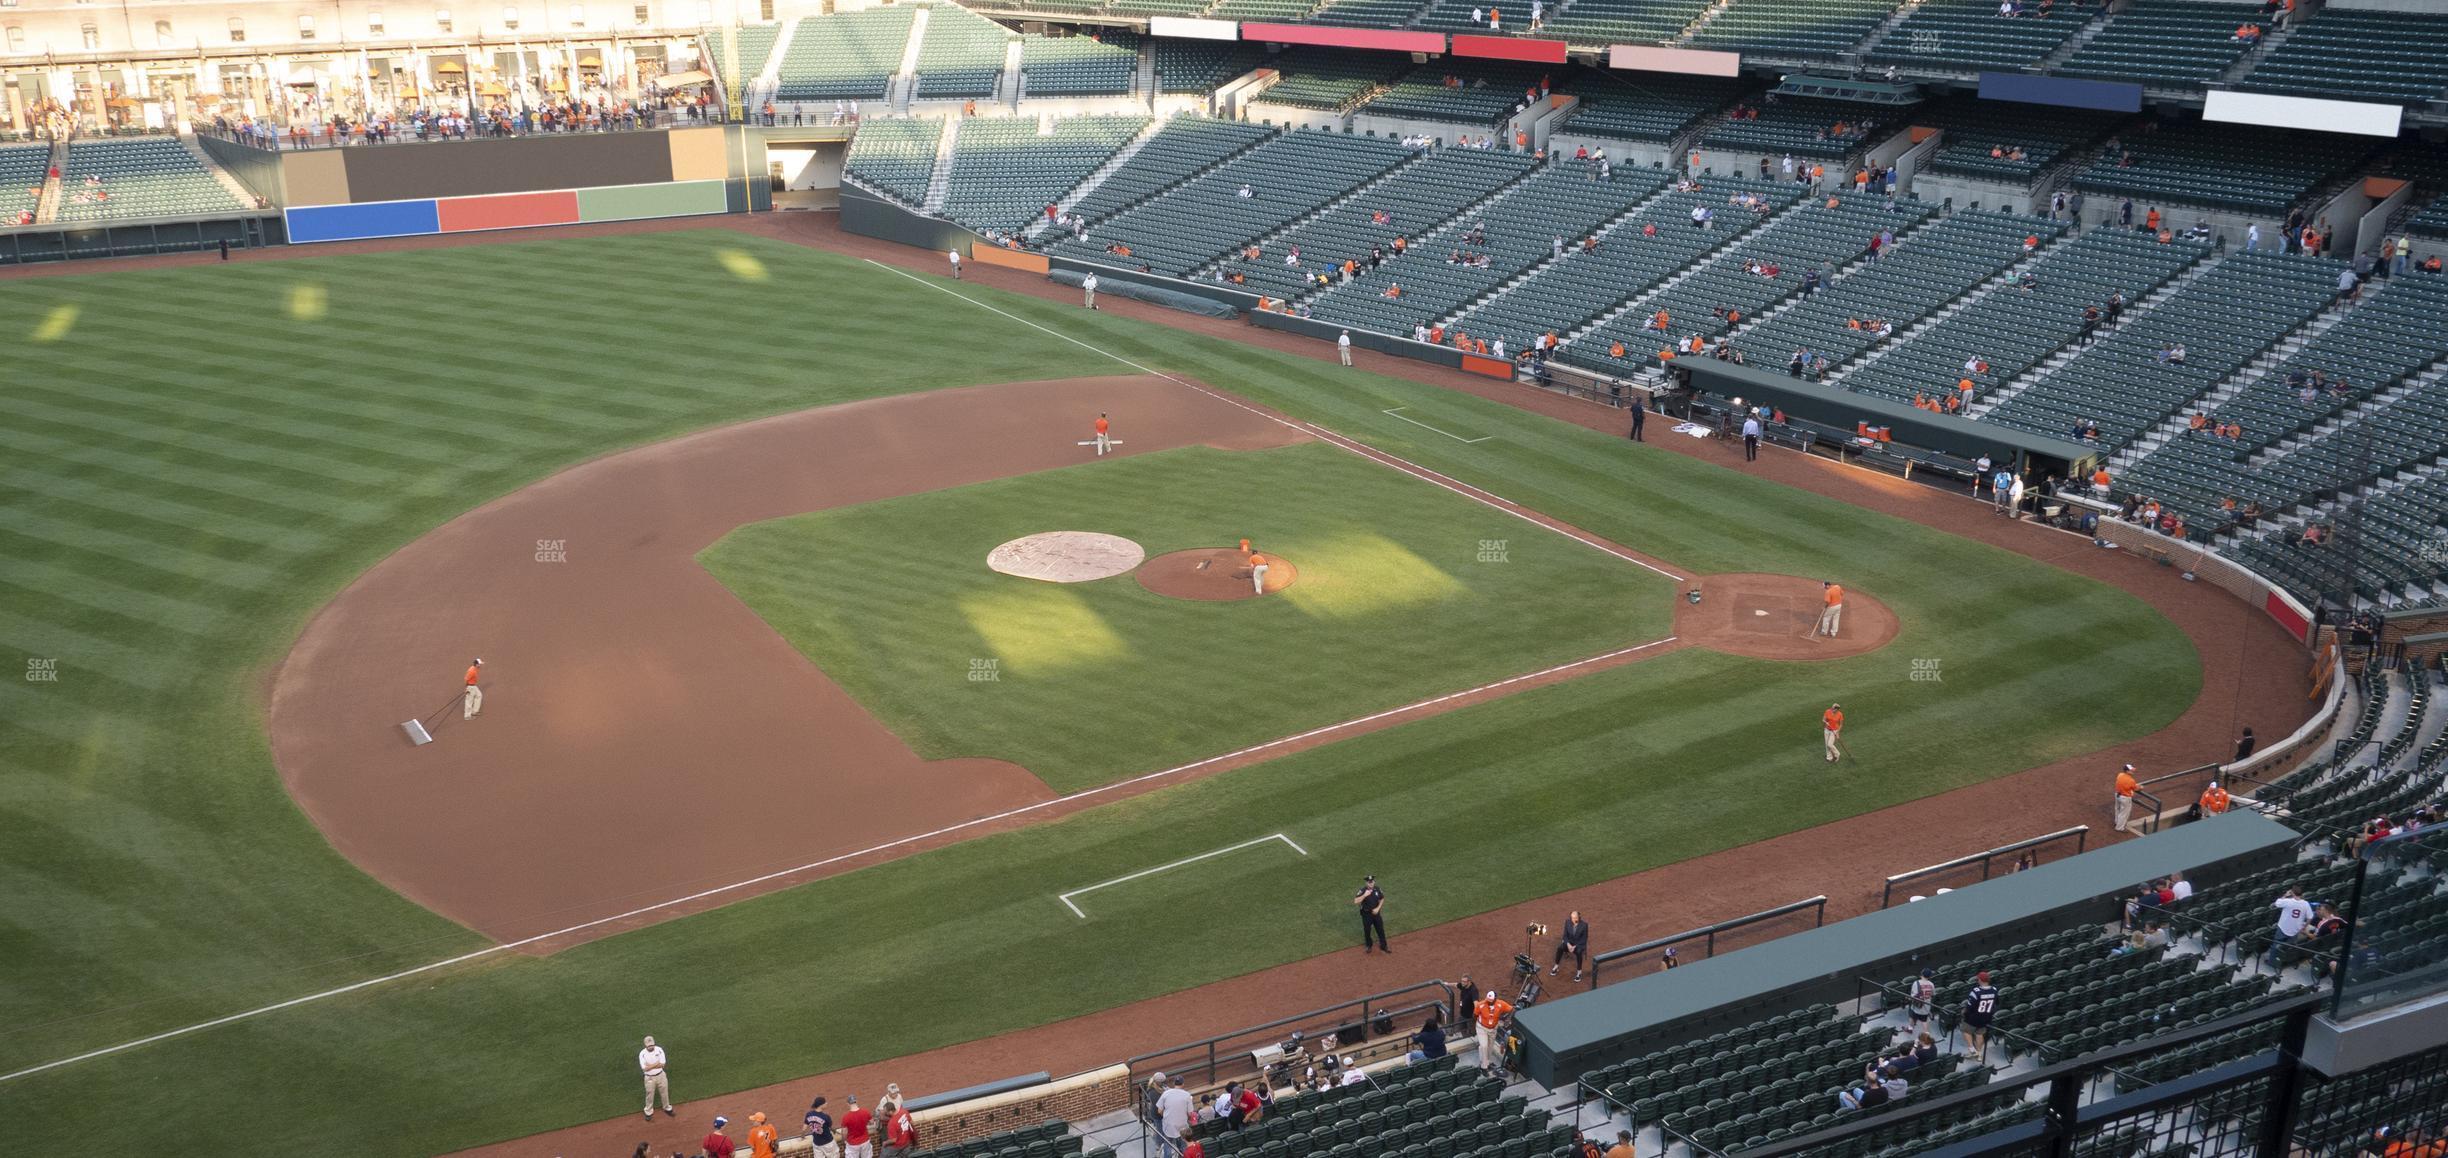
x=1066, y=556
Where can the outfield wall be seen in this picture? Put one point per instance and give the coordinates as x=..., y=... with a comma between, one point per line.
x=435, y=215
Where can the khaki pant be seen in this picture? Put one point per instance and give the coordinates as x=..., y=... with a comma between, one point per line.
x=1258, y=578
x=1829, y=618
x=2124, y=811
x=1827, y=737
x=471, y=703
x=657, y=1085
x=1091, y=303
x=1344, y=352
x=1489, y=1056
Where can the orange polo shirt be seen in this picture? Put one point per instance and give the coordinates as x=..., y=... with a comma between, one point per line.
x=1835, y=595
x=471, y=676
x=2126, y=784
x=1102, y=426
x=1832, y=720
x=1492, y=1010
x=2214, y=801
x=1257, y=560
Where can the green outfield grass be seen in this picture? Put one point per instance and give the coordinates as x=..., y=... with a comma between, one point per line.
x=1399, y=598
x=186, y=481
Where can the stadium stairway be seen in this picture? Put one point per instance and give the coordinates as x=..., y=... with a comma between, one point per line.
x=2078, y=41
x=244, y=195
x=1838, y=285
x=2252, y=58
x=905, y=78
x=1639, y=211
x=1439, y=184
x=46, y=208
x=2253, y=371
x=2039, y=375
x=1089, y=183
x=941, y=178
x=2430, y=381
x=2054, y=248
x=766, y=82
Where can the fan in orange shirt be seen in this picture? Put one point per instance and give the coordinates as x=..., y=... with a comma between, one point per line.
x=1831, y=731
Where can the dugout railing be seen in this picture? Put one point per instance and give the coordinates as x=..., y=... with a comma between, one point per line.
x=1238, y=1053
x=1707, y=935
x=2080, y=834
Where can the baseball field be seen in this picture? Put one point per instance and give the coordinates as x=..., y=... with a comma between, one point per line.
x=715, y=510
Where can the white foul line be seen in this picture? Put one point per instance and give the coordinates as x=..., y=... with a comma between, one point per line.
x=1479, y=495
x=830, y=861
x=1065, y=898
x=1425, y=426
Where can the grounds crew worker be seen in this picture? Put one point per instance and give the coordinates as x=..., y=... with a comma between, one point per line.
x=1488, y=1016
x=650, y=1064
x=1831, y=725
x=1831, y=611
x=2126, y=786
x=472, y=701
x=1371, y=900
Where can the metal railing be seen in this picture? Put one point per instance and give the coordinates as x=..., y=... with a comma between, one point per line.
x=2081, y=834
x=1707, y=934
x=1211, y=1056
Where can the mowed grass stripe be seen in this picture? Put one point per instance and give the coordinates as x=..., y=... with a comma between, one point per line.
x=190, y=474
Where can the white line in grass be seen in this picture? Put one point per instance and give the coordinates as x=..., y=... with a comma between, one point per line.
x=1415, y=470
x=830, y=861
x=1065, y=898
x=1394, y=413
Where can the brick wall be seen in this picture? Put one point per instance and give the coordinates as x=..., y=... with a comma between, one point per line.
x=1072, y=1099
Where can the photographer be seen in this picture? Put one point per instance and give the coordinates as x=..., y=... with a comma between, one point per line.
x=1575, y=941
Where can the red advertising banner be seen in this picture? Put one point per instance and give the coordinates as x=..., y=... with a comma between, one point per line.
x=1509, y=48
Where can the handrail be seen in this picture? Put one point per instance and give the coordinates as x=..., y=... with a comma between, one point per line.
x=1709, y=933
x=2080, y=832
x=1367, y=1007
x=2196, y=770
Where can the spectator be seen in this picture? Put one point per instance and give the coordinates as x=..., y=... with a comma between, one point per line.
x=2214, y=800
x=819, y=1127
x=1172, y=1116
x=717, y=1144
x=1575, y=941
x=1919, y=993
x=1622, y=1147
x=2293, y=915
x=1979, y=1009
x=1430, y=1040
x=855, y=1124
x=762, y=1137
x=1489, y=1015
x=900, y=1130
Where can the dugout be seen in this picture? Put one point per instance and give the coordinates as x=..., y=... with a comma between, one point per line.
x=1566, y=1037
x=2034, y=455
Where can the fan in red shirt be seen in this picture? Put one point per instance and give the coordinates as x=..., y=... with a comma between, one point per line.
x=717, y=1144
x=900, y=1133
x=856, y=1141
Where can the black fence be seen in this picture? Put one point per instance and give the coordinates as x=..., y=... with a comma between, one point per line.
x=1706, y=935
x=1239, y=1053
x=2079, y=834
x=63, y=241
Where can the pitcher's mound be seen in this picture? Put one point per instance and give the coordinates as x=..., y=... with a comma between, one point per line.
x=1772, y=617
x=1212, y=573
x=1066, y=556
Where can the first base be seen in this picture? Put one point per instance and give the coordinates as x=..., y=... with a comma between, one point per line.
x=418, y=737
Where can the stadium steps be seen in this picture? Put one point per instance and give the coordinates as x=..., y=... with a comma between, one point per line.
x=941, y=179
x=1640, y=301
x=1842, y=272
x=904, y=82
x=1886, y=28
x=2049, y=366
x=2431, y=378
x=1272, y=236
x=2065, y=52
x=2252, y=372
x=229, y=182
x=1637, y=211
x=1143, y=77
x=1940, y=315
x=1008, y=83
x=1089, y=183
x=46, y=208
x=1683, y=39
x=768, y=76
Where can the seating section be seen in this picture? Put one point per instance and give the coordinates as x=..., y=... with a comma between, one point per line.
x=2399, y=329
x=1094, y=65
x=138, y=177
x=897, y=155
x=1921, y=272
x=2229, y=167
x=1521, y=226
x=1800, y=239
x=1804, y=28
x=1562, y=296
x=1156, y=7
x=756, y=43
x=2240, y=308
x=1620, y=112
x=1184, y=146
x=845, y=56
x=1414, y=200
x=1971, y=34
x=1005, y=170
x=23, y=168
x=2013, y=329
x=1044, y=1140
x=961, y=54
x=1588, y=22
x=2349, y=54
x=1366, y=13
x=1201, y=220
x=1803, y=126
x=1330, y=80
x=1480, y=95
x=2166, y=43
x=1974, y=129
x=1271, y=11
x=1426, y=1108
x=1196, y=66
x=2432, y=221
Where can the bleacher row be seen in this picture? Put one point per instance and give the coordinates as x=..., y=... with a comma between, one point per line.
x=106, y=179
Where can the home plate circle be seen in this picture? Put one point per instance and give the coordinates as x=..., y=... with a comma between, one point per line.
x=1066, y=556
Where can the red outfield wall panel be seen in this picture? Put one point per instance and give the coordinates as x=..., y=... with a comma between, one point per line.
x=1344, y=37
x=509, y=211
x=1509, y=48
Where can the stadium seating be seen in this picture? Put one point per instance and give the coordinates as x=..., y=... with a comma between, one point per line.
x=2013, y=329
x=1331, y=81
x=1184, y=146
x=23, y=168
x=2346, y=54
x=2235, y=311
x=1618, y=111
x=1415, y=200
x=1625, y=21
x=1804, y=127
x=1791, y=28
x=1366, y=13
x=2432, y=219
x=1806, y=237
x=845, y=56
x=2168, y=43
x=1156, y=7
x=1918, y=274
x=961, y=54
x=2399, y=328
x=1275, y=11
x=897, y=155
x=138, y=177
x=1487, y=94
x=1970, y=34
x=1562, y=296
x=1521, y=225
x=1199, y=221
x=756, y=43
x=1044, y=1140
x=2231, y=167
x=1005, y=170
x=1973, y=128
x=1431, y=1108
x=1098, y=65
x=1196, y=66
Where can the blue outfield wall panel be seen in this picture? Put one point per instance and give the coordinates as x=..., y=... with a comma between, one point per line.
x=2109, y=96
x=357, y=222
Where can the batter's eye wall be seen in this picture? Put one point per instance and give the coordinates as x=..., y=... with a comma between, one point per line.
x=514, y=165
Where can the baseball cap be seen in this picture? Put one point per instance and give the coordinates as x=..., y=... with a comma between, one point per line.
x=818, y=1103
x=853, y=1099
x=720, y=1121
x=2214, y=784
x=1928, y=973
x=650, y=1039
x=2129, y=767
x=758, y=1117
x=1984, y=977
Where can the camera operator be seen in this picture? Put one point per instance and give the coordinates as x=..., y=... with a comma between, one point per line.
x=1575, y=941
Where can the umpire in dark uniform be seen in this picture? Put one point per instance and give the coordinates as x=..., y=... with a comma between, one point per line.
x=1371, y=901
